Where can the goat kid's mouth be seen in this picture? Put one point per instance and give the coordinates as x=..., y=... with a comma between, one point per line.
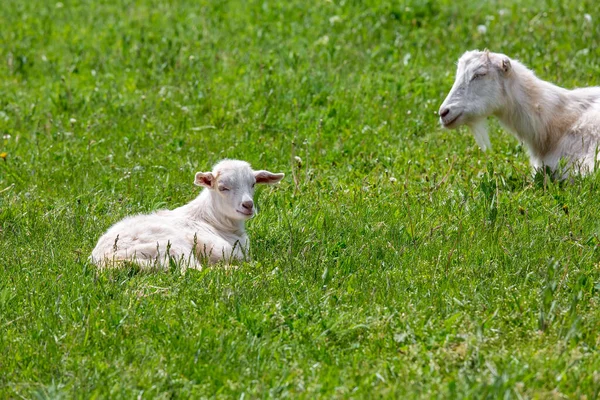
x=247, y=213
x=448, y=123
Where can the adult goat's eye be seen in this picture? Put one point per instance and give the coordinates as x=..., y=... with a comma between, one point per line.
x=223, y=189
x=477, y=76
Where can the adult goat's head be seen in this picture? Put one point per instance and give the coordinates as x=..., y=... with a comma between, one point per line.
x=478, y=92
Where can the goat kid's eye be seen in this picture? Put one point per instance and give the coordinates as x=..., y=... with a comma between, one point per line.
x=223, y=189
x=477, y=76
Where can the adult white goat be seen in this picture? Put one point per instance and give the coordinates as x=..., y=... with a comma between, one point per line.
x=211, y=227
x=554, y=123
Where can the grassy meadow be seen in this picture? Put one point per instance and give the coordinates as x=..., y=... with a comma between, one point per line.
x=395, y=260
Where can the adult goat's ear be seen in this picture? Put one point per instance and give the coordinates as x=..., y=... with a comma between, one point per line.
x=267, y=177
x=205, y=179
x=505, y=64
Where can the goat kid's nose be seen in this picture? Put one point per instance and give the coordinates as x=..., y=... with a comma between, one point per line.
x=444, y=112
x=248, y=204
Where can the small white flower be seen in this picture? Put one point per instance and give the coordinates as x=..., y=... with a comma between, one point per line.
x=335, y=19
x=322, y=40
x=400, y=337
x=583, y=52
x=59, y=5
x=502, y=12
x=44, y=58
x=298, y=160
x=393, y=180
x=6, y=137
x=72, y=120
x=587, y=18
x=482, y=29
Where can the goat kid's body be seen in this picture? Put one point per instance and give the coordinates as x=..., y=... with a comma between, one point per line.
x=186, y=234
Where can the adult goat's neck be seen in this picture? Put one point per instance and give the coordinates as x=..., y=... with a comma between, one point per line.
x=203, y=208
x=531, y=109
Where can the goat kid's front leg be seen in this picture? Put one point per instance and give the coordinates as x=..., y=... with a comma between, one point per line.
x=217, y=249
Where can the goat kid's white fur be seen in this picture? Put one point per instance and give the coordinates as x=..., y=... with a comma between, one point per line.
x=211, y=227
x=553, y=123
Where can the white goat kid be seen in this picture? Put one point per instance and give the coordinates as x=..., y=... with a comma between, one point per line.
x=553, y=123
x=211, y=227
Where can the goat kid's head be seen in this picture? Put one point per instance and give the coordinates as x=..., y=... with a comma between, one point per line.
x=232, y=183
x=477, y=93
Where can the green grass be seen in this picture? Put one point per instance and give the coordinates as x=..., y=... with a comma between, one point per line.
x=461, y=277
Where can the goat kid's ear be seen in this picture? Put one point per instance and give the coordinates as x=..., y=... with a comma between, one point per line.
x=505, y=64
x=205, y=179
x=267, y=177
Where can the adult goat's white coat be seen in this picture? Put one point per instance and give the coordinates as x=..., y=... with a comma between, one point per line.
x=211, y=227
x=553, y=123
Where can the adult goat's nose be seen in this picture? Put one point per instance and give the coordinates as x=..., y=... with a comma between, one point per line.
x=444, y=112
x=248, y=204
